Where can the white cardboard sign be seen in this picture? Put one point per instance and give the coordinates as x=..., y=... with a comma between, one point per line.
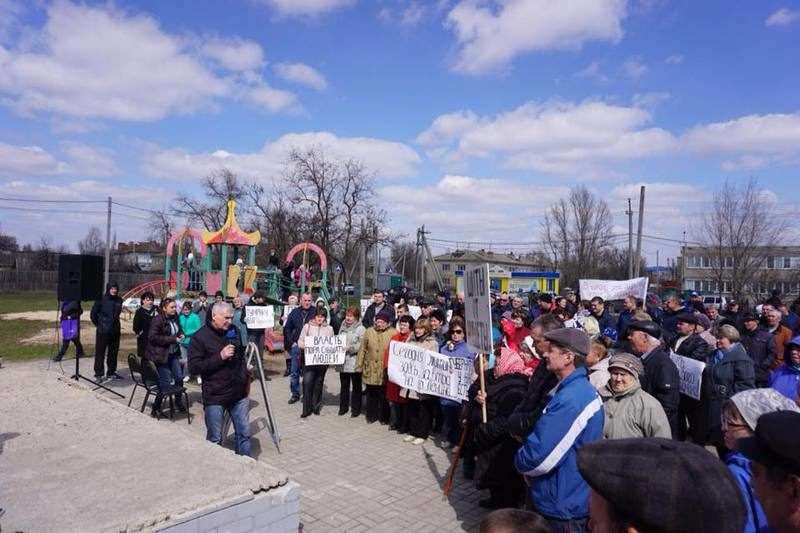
x=325, y=350
x=260, y=316
x=428, y=372
x=365, y=302
x=608, y=289
x=478, y=309
x=691, y=374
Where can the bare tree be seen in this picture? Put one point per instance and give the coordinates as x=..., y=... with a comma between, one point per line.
x=404, y=257
x=93, y=243
x=44, y=257
x=575, y=230
x=161, y=227
x=210, y=212
x=8, y=243
x=736, y=232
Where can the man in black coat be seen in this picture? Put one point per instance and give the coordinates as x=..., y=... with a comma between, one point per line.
x=105, y=316
x=661, y=379
x=760, y=347
x=690, y=344
x=602, y=314
x=216, y=354
x=378, y=304
x=291, y=334
x=669, y=318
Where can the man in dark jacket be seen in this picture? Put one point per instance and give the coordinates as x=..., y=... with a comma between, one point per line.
x=661, y=378
x=105, y=316
x=689, y=344
x=669, y=318
x=760, y=347
x=216, y=354
x=291, y=334
x=603, y=315
x=141, y=322
x=630, y=306
x=378, y=304
x=336, y=315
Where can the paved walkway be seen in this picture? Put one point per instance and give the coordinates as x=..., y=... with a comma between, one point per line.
x=354, y=476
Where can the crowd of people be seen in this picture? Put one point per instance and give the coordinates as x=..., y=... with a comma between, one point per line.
x=586, y=422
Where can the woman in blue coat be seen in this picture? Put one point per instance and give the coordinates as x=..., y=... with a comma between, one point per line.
x=786, y=378
x=455, y=346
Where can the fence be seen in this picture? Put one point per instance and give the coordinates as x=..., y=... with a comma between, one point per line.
x=47, y=281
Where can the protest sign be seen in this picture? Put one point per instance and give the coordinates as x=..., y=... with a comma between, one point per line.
x=287, y=309
x=691, y=374
x=325, y=350
x=612, y=289
x=260, y=316
x=365, y=302
x=478, y=309
x=428, y=372
x=415, y=311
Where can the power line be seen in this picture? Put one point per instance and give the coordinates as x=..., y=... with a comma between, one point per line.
x=34, y=200
x=71, y=211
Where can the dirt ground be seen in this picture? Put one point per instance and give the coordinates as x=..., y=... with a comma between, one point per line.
x=45, y=335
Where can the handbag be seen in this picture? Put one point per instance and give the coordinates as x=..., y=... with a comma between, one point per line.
x=69, y=329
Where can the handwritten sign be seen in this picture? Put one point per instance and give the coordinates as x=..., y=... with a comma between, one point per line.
x=325, y=350
x=691, y=374
x=260, y=316
x=365, y=302
x=415, y=311
x=612, y=289
x=428, y=372
x=478, y=309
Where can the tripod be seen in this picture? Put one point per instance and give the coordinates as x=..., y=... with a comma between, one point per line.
x=252, y=353
x=77, y=376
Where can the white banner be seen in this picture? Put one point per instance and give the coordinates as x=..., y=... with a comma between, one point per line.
x=287, y=309
x=260, y=316
x=691, y=374
x=613, y=289
x=415, y=311
x=478, y=309
x=325, y=350
x=365, y=302
x=428, y=372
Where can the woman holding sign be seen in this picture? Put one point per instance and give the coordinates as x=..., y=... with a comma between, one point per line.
x=314, y=375
x=421, y=406
x=354, y=330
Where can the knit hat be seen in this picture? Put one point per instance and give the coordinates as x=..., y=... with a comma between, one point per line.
x=384, y=315
x=663, y=485
x=573, y=339
x=756, y=402
x=704, y=322
x=629, y=363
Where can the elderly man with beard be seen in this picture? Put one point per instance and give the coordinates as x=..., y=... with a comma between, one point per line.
x=661, y=379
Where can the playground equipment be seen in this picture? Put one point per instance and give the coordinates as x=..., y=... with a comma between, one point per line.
x=304, y=247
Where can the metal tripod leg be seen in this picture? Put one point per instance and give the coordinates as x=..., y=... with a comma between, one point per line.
x=253, y=353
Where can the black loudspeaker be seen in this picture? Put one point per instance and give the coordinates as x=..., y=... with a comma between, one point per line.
x=80, y=277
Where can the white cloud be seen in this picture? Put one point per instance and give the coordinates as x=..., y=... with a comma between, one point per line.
x=592, y=72
x=384, y=158
x=412, y=15
x=782, y=17
x=634, y=68
x=234, y=54
x=559, y=138
x=306, y=7
x=438, y=205
x=754, y=140
x=78, y=160
x=101, y=63
x=491, y=34
x=301, y=74
x=261, y=94
x=650, y=100
x=675, y=59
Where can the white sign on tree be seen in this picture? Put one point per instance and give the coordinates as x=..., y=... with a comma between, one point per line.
x=325, y=350
x=428, y=372
x=260, y=316
x=691, y=374
x=478, y=309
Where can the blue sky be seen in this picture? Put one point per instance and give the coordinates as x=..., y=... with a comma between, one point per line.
x=475, y=115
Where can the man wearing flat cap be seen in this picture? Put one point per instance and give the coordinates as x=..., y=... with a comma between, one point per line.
x=629, y=411
x=690, y=344
x=661, y=379
x=775, y=454
x=572, y=417
x=659, y=485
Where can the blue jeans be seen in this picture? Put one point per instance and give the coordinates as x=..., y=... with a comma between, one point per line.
x=168, y=373
x=241, y=426
x=294, y=372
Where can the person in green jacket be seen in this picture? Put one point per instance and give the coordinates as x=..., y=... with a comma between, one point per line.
x=190, y=322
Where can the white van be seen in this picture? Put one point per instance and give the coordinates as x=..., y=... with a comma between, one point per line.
x=715, y=301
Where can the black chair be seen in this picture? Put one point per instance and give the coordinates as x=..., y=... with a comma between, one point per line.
x=149, y=380
x=135, y=367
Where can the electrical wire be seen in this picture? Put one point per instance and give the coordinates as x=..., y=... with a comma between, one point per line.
x=33, y=200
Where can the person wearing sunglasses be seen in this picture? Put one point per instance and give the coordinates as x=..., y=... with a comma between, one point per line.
x=456, y=346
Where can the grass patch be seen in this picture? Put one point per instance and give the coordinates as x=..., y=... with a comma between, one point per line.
x=12, y=331
x=19, y=302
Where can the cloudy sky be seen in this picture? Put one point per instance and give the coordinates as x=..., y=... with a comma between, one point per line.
x=474, y=115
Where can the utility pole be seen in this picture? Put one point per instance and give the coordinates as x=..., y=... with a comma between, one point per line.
x=375, y=257
x=108, y=245
x=638, y=263
x=683, y=264
x=629, y=212
x=362, y=271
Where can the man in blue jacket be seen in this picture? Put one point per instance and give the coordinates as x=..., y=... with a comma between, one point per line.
x=573, y=417
x=291, y=334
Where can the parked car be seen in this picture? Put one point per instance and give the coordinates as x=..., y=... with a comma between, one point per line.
x=715, y=301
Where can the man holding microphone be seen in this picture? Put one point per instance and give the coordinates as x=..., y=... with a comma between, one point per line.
x=217, y=355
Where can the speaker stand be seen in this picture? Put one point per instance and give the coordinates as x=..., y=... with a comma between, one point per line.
x=77, y=376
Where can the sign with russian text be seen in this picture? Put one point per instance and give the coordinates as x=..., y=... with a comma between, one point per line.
x=325, y=350
x=691, y=374
x=260, y=316
x=428, y=372
x=478, y=309
x=365, y=302
x=608, y=289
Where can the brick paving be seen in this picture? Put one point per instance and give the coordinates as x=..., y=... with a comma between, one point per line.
x=354, y=476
